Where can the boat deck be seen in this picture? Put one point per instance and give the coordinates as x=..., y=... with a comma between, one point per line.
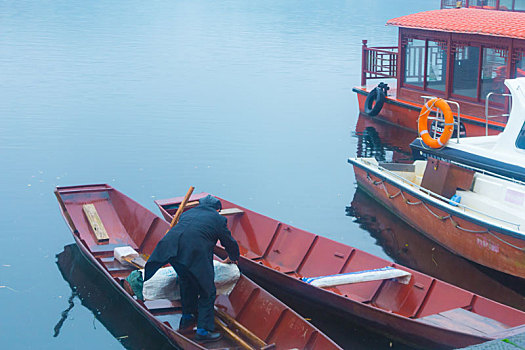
x=509, y=343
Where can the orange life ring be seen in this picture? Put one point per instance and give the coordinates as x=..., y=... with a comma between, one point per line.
x=422, y=125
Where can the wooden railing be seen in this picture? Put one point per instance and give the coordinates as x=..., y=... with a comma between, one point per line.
x=378, y=62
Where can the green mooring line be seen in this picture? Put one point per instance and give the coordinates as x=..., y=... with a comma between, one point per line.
x=512, y=343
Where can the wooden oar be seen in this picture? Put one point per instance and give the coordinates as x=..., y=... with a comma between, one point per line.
x=232, y=334
x=140, y=262
x=181, y=208
x=258, y=342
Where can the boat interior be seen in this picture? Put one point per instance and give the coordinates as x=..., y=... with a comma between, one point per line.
x=298, y=253
x=129, y=224
x=495, y=199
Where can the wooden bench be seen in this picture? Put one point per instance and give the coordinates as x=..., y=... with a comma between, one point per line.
x=231, y=211
x=96, y=223
x=162, y=305
x=466, y=321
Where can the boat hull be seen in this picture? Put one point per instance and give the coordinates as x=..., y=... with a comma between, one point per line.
x=406, y=114
x=496, y=250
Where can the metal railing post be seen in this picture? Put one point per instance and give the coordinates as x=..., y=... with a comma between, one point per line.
x=364, y=63
x=438, y=113
x=487, y=116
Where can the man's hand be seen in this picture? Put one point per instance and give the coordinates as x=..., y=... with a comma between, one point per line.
x=229, y=261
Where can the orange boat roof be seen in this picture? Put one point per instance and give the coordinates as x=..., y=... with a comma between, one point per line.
x=467, y=21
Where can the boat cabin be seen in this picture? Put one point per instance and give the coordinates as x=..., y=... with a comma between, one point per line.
x=460, y=54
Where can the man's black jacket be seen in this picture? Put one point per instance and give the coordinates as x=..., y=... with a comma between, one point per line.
x=190, y=242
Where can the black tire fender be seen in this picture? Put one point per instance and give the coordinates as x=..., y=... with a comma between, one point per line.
x=374, y=102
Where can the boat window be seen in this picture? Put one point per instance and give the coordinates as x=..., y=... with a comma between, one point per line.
x=520, y=141
x=519, y=5
x=493, y=71
x=489, y=4
x=436, y=65
x=520, y=66
x=505, y=4
x=414, y=62
x=466, y=68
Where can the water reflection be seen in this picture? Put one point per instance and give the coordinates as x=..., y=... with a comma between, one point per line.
x=107, y=305
x=409, y=247
x=383, y=141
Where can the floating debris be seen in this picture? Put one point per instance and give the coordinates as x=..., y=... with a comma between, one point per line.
x=7, y=287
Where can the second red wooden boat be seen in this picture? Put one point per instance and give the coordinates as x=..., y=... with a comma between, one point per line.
x=426, y=312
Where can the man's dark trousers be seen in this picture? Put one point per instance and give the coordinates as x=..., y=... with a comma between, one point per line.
x=194, y=299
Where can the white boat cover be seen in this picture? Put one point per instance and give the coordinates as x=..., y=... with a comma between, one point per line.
x=359, y=276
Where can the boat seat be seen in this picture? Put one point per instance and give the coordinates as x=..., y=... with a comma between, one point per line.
x=398, y=167
x=466, y=321
x=107, y=249
x=161, y=305
x=231, y=211
x=494, y=207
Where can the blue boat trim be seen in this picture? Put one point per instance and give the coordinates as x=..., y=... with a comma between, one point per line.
x=473, y=160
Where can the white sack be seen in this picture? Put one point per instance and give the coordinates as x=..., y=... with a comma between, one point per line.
x=226, y=276
x=164, y=283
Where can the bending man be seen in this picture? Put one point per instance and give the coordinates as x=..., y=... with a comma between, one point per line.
x=188, y=247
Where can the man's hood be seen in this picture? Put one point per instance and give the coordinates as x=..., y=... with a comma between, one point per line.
x=210, y=201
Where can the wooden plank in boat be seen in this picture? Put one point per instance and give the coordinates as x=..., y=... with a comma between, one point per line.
x=106, y=249
x=465, y=321
x=231, y=211
x=113, y=264
x=162, y=304
x=481, y=323
x=96, y=224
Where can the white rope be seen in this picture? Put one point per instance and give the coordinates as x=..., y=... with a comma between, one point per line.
x=502, y=240
x=456, y=225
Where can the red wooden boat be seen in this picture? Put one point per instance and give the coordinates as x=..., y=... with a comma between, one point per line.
x=252, y=316
x=462, y=55
x=426, y=312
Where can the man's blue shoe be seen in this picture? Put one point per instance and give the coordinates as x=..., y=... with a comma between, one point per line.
x=208, y=337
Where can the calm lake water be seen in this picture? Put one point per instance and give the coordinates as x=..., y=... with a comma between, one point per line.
x=249, y=100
